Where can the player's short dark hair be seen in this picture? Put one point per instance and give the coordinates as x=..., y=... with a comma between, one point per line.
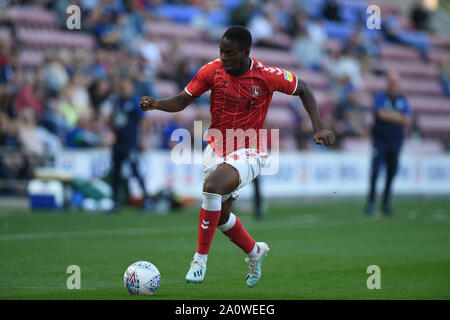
x=239, y=34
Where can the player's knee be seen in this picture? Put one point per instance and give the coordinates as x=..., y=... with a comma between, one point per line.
x=213, y=186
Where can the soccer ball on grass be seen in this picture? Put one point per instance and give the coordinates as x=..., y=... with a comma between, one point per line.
x=142, y=278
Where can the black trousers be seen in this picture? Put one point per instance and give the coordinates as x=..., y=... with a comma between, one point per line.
x=384, y=154
x=118, y=157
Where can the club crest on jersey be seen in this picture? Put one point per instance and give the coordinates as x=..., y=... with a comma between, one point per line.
x=255, y=91
x=288, y=76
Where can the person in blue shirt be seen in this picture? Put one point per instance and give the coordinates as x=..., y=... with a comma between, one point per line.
x=392, y=115
x=126, y=120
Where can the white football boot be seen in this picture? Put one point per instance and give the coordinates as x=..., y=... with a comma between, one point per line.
x=254, y=265
x=197, y=272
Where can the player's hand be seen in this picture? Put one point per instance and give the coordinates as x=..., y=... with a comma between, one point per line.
x=324, y=137
x=147, y=103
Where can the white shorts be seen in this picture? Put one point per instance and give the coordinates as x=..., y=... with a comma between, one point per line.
x=247, y=162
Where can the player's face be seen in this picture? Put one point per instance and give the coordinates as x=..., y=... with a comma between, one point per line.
x=233, y=57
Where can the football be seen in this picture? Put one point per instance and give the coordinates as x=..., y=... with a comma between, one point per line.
x=142, y=278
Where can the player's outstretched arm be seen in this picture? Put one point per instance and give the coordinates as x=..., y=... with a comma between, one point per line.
x=321, y=134
x=171, y=104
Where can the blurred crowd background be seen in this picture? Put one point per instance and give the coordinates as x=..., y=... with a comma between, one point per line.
x=56, y=84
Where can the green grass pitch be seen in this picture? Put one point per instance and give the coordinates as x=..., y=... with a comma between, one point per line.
x=318, y=251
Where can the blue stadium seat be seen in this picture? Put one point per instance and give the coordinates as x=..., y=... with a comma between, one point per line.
x=415, y=38
x=231, y=4
x=178, y=12
x=219, y=17
x=338, y=29
x=313, y=7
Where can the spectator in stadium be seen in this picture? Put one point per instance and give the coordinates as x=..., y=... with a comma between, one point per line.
x=151, y=53
x=176, y=64
x=392, y=115
x=349, y=115
x=394, y=32
x=130, y=23
x=14, y=165
x=99, y=93
x=143, y=81
x=126, y=121
x=28, y=95
x=54, y=73
x=317, y=31
x=8, y=131
x=8, y=67
x=53, y=120
x=242, y=13
x=34, y=138
x=363, y=45
x=305, y=51
x=176, y=122
x=263, y=27
x=105, y=27
x=302, y=129
x=78, y=95
x=343, y=64
x=331, y=10
x=420, y=15
x=444, y=76
x=83, y=134
x=210, y=19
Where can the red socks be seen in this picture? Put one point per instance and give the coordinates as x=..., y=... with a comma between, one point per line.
x=236, y=232
x=233, y=229
x=206, y=227
x=208, y=220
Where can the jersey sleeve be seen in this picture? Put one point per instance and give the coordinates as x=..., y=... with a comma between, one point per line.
x=202, y=81
x=281, y=80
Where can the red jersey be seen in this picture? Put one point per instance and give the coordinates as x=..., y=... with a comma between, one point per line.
x=239, y=103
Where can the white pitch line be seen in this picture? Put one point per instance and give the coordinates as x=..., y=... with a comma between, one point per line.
x=289, y=223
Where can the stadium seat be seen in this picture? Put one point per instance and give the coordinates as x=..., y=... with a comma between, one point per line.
x=440, y=42
x=430, y=124
x=31, y=58
x=280, y=117
x=313, y=78
x=338, y=30
x=45, y=38
x=169, y=30
x=166, y=88
x=424, y=104
x=178, y=12
x=32, y=16
x=273, y=57
x=409, y=85
x=408, y=67
x=5, y=35
x=438, y=55
x=396, y=51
